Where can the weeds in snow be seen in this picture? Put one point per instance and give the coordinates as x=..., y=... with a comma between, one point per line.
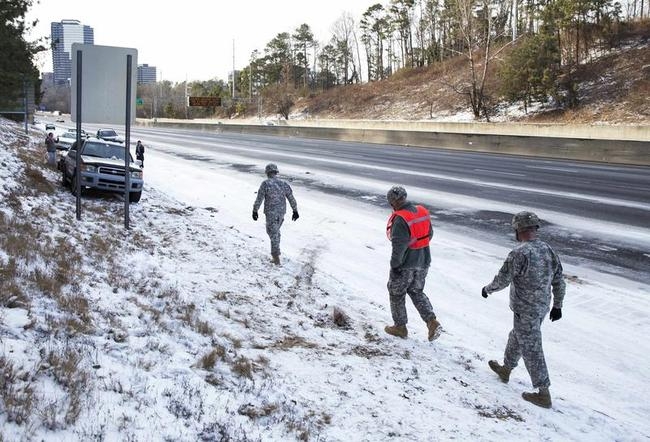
x=288, y=342
x=341, y=319
x=209, y=360
x=16, y=392
x=242, y=367
x=255, y=412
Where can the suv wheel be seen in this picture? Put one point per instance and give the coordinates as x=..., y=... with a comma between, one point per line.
x=134, y=197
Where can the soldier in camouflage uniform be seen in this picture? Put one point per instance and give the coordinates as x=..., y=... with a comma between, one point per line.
x=273, y=191
x=409, y=231
x=531, y=269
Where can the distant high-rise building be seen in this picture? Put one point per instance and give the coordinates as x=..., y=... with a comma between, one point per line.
x=64, y=34
x=146, y=74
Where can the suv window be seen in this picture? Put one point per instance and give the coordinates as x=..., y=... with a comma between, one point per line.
x=103, y=151
x=107, y=133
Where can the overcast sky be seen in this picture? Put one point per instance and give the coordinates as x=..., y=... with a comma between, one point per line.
x=193, y=39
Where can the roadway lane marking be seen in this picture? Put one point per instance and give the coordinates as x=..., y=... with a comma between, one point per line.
x=557, y=169
x=500, y=173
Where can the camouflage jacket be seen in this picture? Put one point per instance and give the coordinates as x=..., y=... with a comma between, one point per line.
x=273, y=191
x=531, y=269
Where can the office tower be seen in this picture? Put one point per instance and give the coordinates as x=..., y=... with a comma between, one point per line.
x=146, y=74
x=64, y=34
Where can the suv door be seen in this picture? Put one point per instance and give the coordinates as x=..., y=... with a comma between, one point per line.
x=70, y=162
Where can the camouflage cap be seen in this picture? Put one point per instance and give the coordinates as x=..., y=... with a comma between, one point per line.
x=396, y=193
x=271, y=168
x=524, y=220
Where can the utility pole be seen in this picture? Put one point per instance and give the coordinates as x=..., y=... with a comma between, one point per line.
x=187, y=99
x=233, y=70
x=160, y=98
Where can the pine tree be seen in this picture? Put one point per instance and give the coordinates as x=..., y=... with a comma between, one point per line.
x=16, y=54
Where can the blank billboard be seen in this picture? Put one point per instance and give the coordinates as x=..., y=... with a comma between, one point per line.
x=103, y=83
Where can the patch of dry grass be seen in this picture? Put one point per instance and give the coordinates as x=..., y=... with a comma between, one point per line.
x=187, y=313
x=289, y=342
x=501, y=413
x=209, y=360
x=16, y=392
x=36, y=183
x=341, y=319
x=242, y=367
x=258, y=411
x=65, y=366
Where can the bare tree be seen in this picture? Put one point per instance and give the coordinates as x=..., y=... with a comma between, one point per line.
x=475, y=24
x=343, y=34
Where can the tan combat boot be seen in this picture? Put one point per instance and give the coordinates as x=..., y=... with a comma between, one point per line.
x=434, y=329
x=501, y=370
x=541, y=398
x=275, y=259
x=397, y=330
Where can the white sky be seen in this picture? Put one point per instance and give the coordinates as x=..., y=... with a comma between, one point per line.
x=207, y=250
x=192, y=39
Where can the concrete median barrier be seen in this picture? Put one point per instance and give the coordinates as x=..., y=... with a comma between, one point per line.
x=617, y=145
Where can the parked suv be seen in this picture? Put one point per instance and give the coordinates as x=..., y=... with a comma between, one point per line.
x=102, y=168
x=109, y=135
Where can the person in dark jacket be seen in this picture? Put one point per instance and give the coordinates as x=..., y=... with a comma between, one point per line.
x=50, y=145
x=139, y=152
x=533, y=271
x=409, y=230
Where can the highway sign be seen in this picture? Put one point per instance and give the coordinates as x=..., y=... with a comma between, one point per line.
x=205, y=101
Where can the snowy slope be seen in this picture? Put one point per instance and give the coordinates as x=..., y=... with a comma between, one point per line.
x=181, y=329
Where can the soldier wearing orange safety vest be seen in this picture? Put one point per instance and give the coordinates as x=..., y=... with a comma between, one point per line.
x=409, y=231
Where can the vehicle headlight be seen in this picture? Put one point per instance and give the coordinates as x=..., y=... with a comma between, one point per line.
x=88, y=168
x=136, y=174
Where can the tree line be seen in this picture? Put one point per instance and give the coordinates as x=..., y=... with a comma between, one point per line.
x=18, y=72
x=540, y=44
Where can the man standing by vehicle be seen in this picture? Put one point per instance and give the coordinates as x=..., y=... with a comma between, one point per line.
x=273, y=191
x=139, y=153
x=531, y=269
x=409, y=230
x=50, y=145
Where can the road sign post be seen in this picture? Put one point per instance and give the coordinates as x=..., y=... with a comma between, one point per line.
x=99, y=89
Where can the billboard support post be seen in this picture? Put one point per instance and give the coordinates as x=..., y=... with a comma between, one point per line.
x=77, y=169
x=127, y=141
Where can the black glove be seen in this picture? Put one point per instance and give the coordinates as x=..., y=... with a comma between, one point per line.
x=255, y=215
x=484, y=292
x=295, y=215
x=556, y=313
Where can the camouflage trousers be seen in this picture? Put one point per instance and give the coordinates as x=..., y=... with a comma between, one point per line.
x=273, y=224
x=408, y=281
x=525, y=341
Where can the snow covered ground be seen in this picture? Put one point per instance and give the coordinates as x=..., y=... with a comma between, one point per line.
x=181, y=328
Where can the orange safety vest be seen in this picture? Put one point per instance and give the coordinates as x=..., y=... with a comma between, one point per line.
x=419, y=225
